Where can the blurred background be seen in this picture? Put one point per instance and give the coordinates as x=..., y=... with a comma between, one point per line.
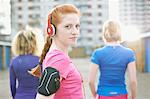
x=133, y=15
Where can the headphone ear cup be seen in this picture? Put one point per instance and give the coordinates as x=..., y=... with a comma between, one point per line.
x=51, y=30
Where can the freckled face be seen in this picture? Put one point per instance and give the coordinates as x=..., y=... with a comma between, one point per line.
x=68, y=30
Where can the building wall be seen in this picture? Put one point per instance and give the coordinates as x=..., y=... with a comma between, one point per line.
x=138, y=48
x=34, y=13
x=1, y=57
x=5, y=27
x=147, y=54
x=5, y=55
x=135, y=12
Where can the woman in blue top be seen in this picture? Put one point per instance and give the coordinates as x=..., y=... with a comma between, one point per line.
x=24, y=47
x=113, y=60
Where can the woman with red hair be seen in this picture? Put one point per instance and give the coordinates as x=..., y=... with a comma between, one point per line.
x=63, y=31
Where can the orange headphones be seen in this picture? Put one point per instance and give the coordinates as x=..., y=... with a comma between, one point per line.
x=50, y=28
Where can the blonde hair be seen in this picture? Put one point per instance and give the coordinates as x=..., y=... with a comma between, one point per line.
x=55, y=16
x=111, y=31
x=25, y=42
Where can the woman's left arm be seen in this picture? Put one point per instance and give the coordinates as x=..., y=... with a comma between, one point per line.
x=132, y=79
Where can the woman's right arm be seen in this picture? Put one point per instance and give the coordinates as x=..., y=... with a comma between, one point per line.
x=12, y=76
x=92, y=77
x=132, y=79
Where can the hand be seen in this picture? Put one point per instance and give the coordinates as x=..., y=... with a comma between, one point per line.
x=36, y=71
x=96, y=96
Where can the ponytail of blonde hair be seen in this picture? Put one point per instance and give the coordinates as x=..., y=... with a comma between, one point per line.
x=111, y=31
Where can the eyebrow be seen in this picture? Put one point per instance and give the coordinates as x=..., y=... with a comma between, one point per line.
x=71, y=23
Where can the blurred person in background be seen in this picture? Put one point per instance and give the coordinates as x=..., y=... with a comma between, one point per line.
x=112, y=61
x=63, y=31
x=25, y=48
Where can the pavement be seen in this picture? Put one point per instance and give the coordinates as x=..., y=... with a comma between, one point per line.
x=83, y=66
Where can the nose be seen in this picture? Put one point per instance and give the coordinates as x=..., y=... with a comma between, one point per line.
x=75, y=31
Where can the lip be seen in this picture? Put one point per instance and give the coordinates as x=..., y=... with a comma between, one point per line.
x=73, y=38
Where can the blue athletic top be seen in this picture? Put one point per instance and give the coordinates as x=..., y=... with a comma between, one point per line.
x=112, y=62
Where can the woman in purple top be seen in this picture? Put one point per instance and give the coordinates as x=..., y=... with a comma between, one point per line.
x=24, y=47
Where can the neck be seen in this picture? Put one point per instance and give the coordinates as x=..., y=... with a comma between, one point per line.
x=56, y=45
x=112, y=43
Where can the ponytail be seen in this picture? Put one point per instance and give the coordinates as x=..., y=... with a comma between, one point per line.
x=37, y=71
x=46, y=48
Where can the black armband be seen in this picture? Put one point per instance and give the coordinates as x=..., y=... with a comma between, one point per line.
x=49, y=82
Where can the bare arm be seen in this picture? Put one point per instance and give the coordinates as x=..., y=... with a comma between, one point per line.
x=39, y=96
x=132, y=79
x=92, y=77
